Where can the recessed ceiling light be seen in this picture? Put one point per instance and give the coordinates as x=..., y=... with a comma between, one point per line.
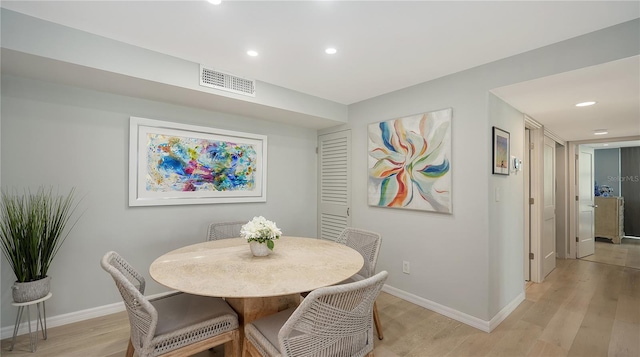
x=252, y=53
x=330, y=51
x=600, y=132
x=585, y=104
x=215, y=2
x=605, y=144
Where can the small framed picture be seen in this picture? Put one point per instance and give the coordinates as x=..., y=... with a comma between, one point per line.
x=500, y=151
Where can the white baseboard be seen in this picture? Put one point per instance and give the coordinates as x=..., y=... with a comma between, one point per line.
x=506, y=311
x=486, y=326
x=64, y=319
x=483, y=325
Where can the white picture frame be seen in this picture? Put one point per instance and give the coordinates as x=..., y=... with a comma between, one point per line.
x=409, y=162
x=179, y=164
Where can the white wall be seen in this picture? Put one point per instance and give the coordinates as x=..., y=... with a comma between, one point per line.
x=506, y=207
x=65, y=136
x=470, y=262
x=448, y=253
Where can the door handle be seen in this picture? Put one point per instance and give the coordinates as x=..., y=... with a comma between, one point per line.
x=347, y=211
x=594, y=206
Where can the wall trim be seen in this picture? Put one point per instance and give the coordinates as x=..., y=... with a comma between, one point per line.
x=531, y=123
x=77, y=316
x=482, y=325
x=553, y=136
x=506, y=311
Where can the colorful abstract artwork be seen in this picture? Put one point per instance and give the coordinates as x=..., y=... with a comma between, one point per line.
x=500, y=151
x=173, y=163
x=410, y=162
x=178, y=163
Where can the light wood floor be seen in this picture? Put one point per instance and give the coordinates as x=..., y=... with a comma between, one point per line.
x=582, y=309
x=627, y=253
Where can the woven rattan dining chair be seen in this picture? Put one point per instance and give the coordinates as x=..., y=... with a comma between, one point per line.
x=331, y=321
x=368, y=245
x=224, y=230
x=175, y=325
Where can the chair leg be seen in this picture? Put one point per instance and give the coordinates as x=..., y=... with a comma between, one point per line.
x=232, y=348
x=376, y=320
x=245, y=348
x=249, y=350
x=129, y=349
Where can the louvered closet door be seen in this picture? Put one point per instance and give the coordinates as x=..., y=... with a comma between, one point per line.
x=334, y=196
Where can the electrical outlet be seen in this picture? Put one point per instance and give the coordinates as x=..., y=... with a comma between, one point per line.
x=405, y=267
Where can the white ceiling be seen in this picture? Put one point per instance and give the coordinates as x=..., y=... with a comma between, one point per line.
x=382, y=45
x=615, y=86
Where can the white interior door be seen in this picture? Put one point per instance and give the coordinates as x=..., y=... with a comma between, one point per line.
x=586, y=239
x=527, y=205
x=334, y=194
x=549, y=210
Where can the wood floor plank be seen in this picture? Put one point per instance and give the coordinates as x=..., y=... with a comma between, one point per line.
x=628, y=309
x=594, y=334
x=421, y=332
x=480, y=343
x=547, y=306
x=631, y=283
x=384, y=351
x=627, y=253
x=625, y=333
x=535, y=291
x=517, y=341
x=443, y=342
x=563, y=327
x=625, y=339
x=544, y=349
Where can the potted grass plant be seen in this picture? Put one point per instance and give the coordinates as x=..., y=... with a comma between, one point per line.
x=33, y=227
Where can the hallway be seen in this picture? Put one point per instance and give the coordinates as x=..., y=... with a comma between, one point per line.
x=625, y=254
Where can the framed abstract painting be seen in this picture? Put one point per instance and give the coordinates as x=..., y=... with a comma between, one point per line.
x=500, y=151
x=178, y=164
x=409, y=162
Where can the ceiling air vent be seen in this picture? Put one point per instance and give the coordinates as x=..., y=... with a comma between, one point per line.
x=220, y=80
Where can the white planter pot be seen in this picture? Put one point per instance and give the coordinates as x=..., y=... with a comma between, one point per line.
x=259, y=249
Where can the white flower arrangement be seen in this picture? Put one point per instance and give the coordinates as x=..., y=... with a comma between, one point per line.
x=259, y=229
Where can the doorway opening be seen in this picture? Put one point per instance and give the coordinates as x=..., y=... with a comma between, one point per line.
x=580, y=224
x=616, y=164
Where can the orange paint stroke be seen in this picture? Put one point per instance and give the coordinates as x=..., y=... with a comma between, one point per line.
x=402, y=191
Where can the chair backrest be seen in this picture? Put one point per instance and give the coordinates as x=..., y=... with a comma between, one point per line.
x=333, y=321
x=367, y=244
x=224, y=230
x=143, y=317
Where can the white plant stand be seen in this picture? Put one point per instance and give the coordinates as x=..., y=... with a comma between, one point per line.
x=33, y=339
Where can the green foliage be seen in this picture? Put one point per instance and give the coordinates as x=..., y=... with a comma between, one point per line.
x=32, y=229
x=268, y=241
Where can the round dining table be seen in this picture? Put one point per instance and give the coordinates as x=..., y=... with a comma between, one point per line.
x=256, y=286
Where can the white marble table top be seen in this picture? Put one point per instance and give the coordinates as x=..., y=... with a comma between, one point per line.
x=226, y=268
